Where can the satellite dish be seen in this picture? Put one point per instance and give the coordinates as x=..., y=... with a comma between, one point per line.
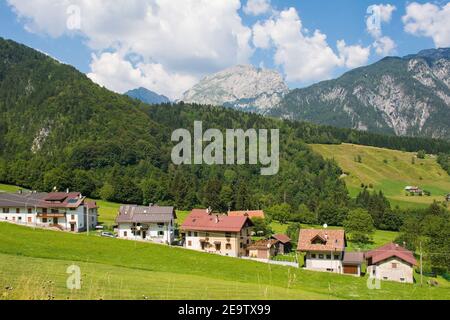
x=325, y=226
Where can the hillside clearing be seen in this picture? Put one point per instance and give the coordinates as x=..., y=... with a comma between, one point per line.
x=120, y=269
x=389, y=171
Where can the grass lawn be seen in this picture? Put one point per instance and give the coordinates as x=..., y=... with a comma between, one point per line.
x=9, y=188
x=34, y=262
x=390, y=171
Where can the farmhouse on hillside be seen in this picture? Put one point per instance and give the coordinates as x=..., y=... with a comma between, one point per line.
x=414, y=190
x=391, y=262
x=215, y=233
x=252, y=214
x=68, y=211
x=323, y=249
x=152, y=223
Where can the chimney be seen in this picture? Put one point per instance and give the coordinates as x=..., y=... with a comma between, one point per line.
x=67, y=190
x=20, y=191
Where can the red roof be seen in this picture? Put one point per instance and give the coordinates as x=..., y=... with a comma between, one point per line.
x=199, y=220
x=91, y=204
x=321, y=240
x=282, y=238
x=391, y=250
x=248, y=213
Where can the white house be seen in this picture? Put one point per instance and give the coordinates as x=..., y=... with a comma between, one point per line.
x=324, y=249
x=152, y=223
x=392, y=263
x=67, y=211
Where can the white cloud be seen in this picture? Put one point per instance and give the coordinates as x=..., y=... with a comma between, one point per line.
x=429, y=20
x=303, y=57
x=118, y=74
x=353, y=56
x=257, y=7
x=377, y=15
x=384, y=46
x=188, y=37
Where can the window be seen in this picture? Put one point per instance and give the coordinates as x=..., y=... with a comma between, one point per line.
x=195, y=234
x=228, y=234
x=160, y=233
x=125, y=234
x=44, y=210
x=29, y=210
x=5, y=210
x=320, y=256
x=218, y=246
x=242, y=245
x=313, y=255
x=72, y=217
x=17, y=210
x=189, y=243
x=14, y=218
x=385, y=278
x=402, y=279
x=30, y=220
x=228, y=246
x=44, y=220
x=394, y=266
x=20, y=218
x=336, y=257
x=328, y=256
x=160, y=225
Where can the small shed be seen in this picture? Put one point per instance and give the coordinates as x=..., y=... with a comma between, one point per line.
x=352, y=263
x=284, y=243
x=263, y=249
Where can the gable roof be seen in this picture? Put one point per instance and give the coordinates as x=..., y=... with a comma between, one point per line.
x=334, y=240
x=141, y=214
x=248, y=213
x=391, y=250
x=282, y=238
x=199, y=220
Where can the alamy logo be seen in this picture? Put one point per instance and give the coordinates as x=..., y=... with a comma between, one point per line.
x=74, y=280
x=235, y=148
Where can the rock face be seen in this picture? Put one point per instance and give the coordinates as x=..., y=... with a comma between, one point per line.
x=147, y=96
x=241, y=87
x=402, y=96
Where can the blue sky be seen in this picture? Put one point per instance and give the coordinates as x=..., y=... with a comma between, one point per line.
x=121, y=47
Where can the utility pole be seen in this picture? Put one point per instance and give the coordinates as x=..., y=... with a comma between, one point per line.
x=421, y=265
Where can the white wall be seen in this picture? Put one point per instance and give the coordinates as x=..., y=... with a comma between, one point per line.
x=164, y=233
x=385, y=271
x=324, y=264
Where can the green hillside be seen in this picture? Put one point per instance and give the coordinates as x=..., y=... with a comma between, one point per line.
x=33, y=263
x=390, y=171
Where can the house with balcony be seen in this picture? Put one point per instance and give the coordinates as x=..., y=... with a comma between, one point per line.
x=68, y=211
x=323, y=249
x=217, y=233
x=147, y=223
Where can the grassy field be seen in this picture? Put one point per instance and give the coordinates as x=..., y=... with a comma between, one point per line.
x=8, y=188
x=390, y=171
x=33, y=265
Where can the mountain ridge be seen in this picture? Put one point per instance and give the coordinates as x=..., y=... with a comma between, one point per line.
x=147, y=96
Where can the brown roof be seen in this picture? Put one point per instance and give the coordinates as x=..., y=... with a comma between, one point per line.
x=353, y=258
x=248, y=213
x=91, y=204
x=332, y=240
x=262, y=244
x=42, y=200
x=282, y=238
x=391, y=250
x=199, y=220
x=141, y=214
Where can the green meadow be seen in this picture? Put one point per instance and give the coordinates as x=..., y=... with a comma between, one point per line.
x=33, y=265
x=389, y=171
